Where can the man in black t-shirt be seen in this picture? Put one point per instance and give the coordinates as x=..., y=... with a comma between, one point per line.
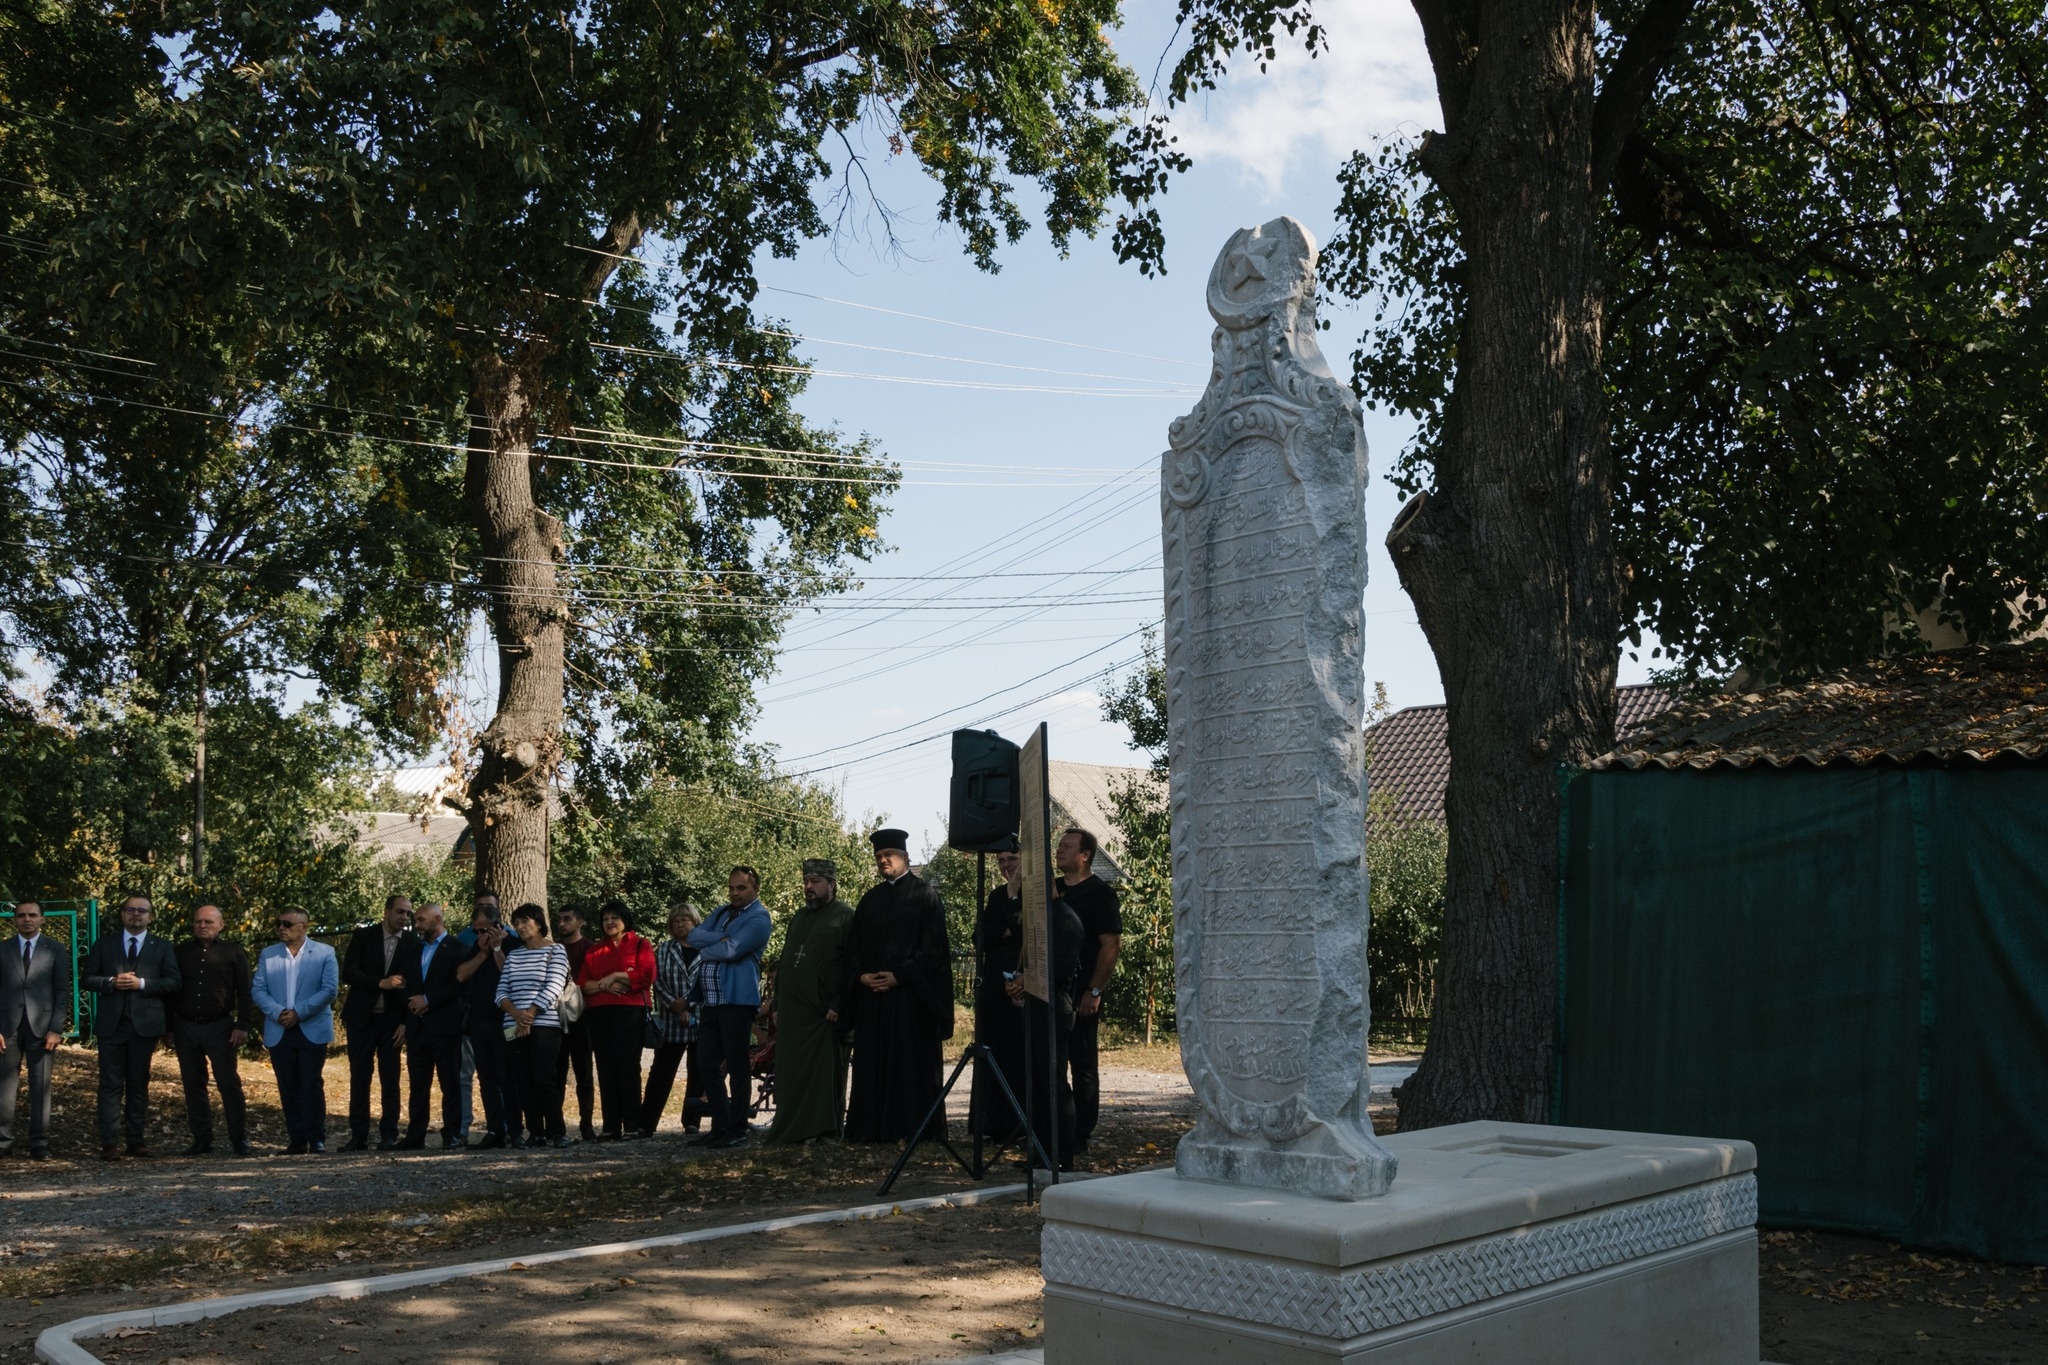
x=1095, y=901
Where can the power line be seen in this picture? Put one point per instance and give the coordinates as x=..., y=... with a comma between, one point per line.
x=819, y=753
x=977, y=327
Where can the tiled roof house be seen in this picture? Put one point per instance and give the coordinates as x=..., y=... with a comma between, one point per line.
x=1408, y=755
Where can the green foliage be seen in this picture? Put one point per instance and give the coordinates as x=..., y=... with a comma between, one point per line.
x=1138, y=813
x=1826, y=374
x=678, y=841
x=100, y=804
x=1406, y=863
x=1143, y=1001
x=1139, y=704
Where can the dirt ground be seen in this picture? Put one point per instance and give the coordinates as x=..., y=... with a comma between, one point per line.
x=933, y=1286
x=78, y=1237
x=1828, y=1299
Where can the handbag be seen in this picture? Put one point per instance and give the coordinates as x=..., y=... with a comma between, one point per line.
x=569, y=1004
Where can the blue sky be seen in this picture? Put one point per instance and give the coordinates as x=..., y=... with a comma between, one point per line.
x=1029, y=407
x=1068, y=478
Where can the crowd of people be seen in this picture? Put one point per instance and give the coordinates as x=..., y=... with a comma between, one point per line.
x=500, y=1015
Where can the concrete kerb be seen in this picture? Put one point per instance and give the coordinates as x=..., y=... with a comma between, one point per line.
x=59, y=1345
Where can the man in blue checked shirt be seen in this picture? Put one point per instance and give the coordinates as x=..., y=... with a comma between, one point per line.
x=729, y=948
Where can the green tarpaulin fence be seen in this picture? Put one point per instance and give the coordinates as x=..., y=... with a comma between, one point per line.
x=1846, y=966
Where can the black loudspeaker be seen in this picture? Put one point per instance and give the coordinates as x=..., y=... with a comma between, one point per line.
x=983, y=818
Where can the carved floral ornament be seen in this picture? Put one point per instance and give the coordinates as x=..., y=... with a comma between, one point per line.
x=1262, y=295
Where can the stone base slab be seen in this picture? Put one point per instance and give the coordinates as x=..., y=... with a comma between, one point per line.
x=1498, y=1242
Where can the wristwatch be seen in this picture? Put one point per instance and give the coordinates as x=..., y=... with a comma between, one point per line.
x=1095, y=991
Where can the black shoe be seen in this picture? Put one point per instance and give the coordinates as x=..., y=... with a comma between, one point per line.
x=109, y=1152
x=296, y=1149
x=702, y=1140
x=487, y=1142
x=587, y=1131
x=450, y=1142
x=139, y=1150
x=318, y=1147
x=39, y=1154
x=387, y=1144
x=411, y=1144
x=198, y=1149
x=515, y=1143
x=730, y=1140
x=356, y=1144
x=241, y=1146
x=562, y=1141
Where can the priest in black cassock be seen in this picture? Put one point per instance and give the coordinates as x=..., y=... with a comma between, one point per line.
x=899, y=999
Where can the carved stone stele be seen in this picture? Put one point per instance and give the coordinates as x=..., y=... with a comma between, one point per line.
x=1263, y=502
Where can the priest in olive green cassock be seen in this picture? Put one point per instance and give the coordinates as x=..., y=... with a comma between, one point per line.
x=810, y=1056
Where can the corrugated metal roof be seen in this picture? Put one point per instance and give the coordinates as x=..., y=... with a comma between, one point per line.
x=1975, y=704
x=1408, y=754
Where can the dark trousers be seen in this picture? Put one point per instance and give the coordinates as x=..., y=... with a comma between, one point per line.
x=1054, y=1123
x=200, y=1046
x=615, y=1037
x=1087, y=1069
x=661, y=1080
x=302, y=1094
x=428, y=1057
x=26, y=1047
x=374, y=1045
x=723, y=1035
x=124, y=1084
x=535, y=1063
x=575, y=1053
x=493, y=1079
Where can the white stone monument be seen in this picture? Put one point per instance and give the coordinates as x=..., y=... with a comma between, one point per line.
x=1282, y=1236
x=1263, y=502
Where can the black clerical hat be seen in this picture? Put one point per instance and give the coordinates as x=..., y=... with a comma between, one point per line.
x=890, y=838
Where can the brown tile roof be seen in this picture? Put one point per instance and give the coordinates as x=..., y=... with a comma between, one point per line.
x=1408, y=755
x=1978, y=704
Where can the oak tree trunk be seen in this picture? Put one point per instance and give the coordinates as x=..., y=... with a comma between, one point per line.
x=521, y=547
x=1509, y=558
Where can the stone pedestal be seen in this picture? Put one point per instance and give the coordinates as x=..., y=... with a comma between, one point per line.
x=1499, y=1243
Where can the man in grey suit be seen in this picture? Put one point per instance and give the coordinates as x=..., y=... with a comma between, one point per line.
x=132, y=972
x=35, y=1004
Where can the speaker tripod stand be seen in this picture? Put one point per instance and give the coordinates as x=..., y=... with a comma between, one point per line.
x=981, y=1054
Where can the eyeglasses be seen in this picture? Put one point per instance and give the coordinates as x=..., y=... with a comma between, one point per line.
x=287, y=924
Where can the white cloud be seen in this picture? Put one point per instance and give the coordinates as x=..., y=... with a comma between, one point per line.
x=1306, y=113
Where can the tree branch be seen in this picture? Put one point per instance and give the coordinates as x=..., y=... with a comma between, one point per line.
x=785, y=65
x=1634, y=79
x=1447, y=30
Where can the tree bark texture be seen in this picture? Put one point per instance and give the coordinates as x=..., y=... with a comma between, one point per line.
x=1509, y=557
x=522, y=548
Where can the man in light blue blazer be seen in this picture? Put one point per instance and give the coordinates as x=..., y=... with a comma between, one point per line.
x=294, y=987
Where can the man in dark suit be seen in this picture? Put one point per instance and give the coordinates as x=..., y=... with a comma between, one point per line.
x=35, y=1004
x=374, y=1016
x=211, y=1019
x=132, y=972
x=435, y=1010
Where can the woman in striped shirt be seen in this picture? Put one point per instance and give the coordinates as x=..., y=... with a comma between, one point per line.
x=536, y=972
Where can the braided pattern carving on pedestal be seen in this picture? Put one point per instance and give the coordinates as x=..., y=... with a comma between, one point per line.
x=1354, y=1303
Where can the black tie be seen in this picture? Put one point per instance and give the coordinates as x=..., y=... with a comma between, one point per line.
x=131, y=954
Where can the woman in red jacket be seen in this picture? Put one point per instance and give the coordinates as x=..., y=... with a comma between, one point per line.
x=615, y=975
